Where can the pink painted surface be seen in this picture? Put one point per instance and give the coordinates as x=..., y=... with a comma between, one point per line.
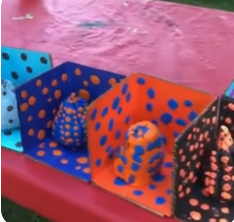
x=187, y=45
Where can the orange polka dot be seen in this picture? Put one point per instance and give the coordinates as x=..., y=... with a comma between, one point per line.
x=49, y=124
x=67, y=133
x=225, y=210
x=84, y=94
x=188, y=190
x=24, y=94
x=42, y=114
x=54, y=82
x=193, y=202
x=223, y=220
x=205, y=207
x=82, y=160
x=95, y=80
x=86, y=170
x=181, y=195
x=231, y=106
x=76, y=134
x=57, y=152
x=64, y=77
x=69, y=140
x=67, y=119
x=195, y=215
x=30, y=118
x=41, y=135
x=45, y=91
x=32, y=100
x=23, y=107
x=64, y=161
x=228, y=120
x=212, y=220
x=57, y=94
x=112, y=81
x=77, y=72
x=67, y=126
x=85, y=83
x=38, y=82
x=53, y=144
x=40, y=153
x=31, y=132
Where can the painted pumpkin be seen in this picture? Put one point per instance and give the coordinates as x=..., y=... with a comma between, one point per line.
x=70, y=125
x=141, y=156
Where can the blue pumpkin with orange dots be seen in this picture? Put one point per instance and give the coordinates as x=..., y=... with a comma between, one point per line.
x=70, y=124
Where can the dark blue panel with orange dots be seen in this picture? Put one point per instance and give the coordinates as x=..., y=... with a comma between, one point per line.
x=38, y=101
x=140, y=98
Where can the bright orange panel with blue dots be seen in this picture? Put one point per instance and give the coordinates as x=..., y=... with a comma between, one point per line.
x=38, y=101
x=138, y=98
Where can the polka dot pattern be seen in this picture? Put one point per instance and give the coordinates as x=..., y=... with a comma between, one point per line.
x=27, y=65
x=208, y=199
x=51, y=89
x=163, y=107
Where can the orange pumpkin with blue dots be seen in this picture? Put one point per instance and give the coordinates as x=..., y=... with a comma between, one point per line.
x=141, y=156
x=70, y=124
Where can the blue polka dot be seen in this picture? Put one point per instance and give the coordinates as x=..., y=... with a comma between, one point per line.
x=166, y=118
x=149, y=107
x=118, y=151
x=158, y=177
x=164, y=139
x=97, y=126
x=173, y=105
x=111, y=153
x=135, y=167
x=138, y=192
x=119, y=182
x=136, y=158
x=152, y=187
x=141, y=81
x=151, y=93
x=127, y=119
x=156, y=157
x=124, y=159
x=176, y=134
x=115, y=103
x=181, y=122
x=108, y=149
x=131, y=179
x=125, y=88
x=111, y=124
x=169, y=191
x=128, y=97
x=104, y=111
x=120, y=168
x=117, y=134
x=192, y=116
x=139, y=150
x=103, y=140
x=93, y=114
x=120, y=109
x=155, y=122
x=188, y=103
x=160, y=200
x=98, y=162
x=168, y=164
x=155, y=144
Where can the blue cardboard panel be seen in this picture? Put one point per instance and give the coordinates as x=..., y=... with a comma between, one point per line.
x=19, y=66
x=36, y=111
x=230, y=91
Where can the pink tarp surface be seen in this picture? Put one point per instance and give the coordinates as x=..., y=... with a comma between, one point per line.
x=187, y=45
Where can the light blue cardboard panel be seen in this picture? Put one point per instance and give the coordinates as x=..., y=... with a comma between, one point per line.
x=12, y=139
x=19, y=66
x=230, y=91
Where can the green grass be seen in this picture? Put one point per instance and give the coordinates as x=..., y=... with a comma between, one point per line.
x=14, y=213
x=227, y=5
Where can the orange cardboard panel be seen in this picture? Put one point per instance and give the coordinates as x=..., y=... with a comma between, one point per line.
x=140, y=98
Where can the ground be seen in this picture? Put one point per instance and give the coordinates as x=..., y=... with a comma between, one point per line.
x=14, y=213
